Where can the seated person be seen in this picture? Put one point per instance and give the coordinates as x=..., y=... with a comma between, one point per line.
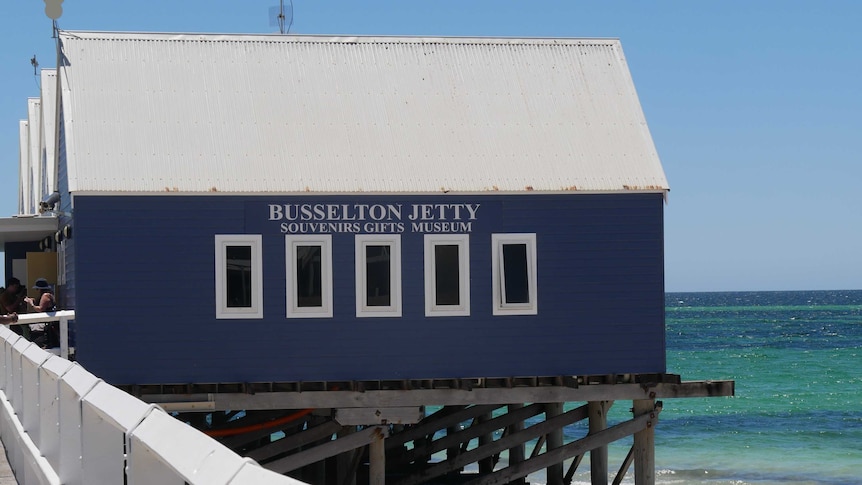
x=12, y=298
x=12, y=303
x=46, y=301
x=43, y=334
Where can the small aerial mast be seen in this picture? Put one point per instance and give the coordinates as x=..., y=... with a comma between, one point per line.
x=54, y=9
x=282, y=17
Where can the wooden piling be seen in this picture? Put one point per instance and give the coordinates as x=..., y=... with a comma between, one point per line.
x=644, y=444
x=598, y=421
x=346, y=473
x=517, y=452
x=377, y=461
x=486, y=465
x=555, y=440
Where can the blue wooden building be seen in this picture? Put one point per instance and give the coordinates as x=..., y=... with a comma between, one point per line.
x=247, y=208
x=332, y=234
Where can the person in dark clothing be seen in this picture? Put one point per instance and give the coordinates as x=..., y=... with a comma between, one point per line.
x=45, y=335
x=12, y=298
x=45, y=302
x=12, y=303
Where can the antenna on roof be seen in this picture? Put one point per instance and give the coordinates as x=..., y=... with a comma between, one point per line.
x=281, y=16
x=54, y=9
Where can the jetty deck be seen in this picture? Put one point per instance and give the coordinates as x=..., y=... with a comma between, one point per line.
x=6, y=475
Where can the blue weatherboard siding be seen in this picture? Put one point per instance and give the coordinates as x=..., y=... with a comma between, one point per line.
x=145, y=294
x=65, y=291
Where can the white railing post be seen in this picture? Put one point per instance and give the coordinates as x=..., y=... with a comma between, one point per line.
x=107, y=416
x=12, y=386
x=161, y=452
x=64, y=337
x=16, y=389
x=7, y=339
x=74, y=385
x=49, y=408
x=8, y=344
x=28, y=413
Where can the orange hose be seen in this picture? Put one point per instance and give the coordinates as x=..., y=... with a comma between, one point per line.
x=220, y=433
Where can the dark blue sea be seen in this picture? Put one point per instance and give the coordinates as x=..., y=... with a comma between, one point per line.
x=796, y=358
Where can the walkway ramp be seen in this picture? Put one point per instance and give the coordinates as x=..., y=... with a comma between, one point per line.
x=6, y=475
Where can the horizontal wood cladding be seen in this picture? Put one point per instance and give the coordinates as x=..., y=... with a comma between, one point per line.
x=145, y=293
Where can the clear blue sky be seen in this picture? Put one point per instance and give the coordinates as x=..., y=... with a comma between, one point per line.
x=755, y=108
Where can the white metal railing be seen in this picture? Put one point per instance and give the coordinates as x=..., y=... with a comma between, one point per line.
x=62, y=316
x=62, y=424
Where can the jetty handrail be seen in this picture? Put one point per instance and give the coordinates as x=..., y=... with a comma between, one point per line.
x=62, y=425
x=62, y=316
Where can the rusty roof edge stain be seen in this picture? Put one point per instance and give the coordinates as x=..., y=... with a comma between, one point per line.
x=645, y=187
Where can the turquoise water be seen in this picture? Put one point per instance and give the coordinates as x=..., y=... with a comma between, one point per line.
x=796, y=358
x=796, y=419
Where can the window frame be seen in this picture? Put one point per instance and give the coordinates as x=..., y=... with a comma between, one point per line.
x=254, y=241
x=361, y=241
x=293, y=310
x=500, y=307
x=462, y=241
x=61, y=263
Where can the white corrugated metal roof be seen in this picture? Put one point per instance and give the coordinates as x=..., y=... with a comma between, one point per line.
x=252, y=113
x=49, y=130
x=36, y=147
x=24, y=166
x=30, y=166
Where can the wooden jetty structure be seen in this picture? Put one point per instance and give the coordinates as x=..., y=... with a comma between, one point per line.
x=386, y=432
x=359, y=259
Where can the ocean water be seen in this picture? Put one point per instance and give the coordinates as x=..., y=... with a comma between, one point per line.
x=796, y=418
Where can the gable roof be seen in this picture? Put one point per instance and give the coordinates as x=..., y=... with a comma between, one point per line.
x=153, y=112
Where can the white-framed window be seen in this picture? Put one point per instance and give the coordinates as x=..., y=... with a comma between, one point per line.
x=238, y=276
x=514, y=274
x=378, y=275
x=447, y=275
x=61, y=263
x=309, y=275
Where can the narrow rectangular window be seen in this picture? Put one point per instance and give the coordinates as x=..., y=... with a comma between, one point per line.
x=309, y=275
x=61, y=263
x=238, y=276
x=516, y=283
x=447, y=275
x=514, y=274
x=378, y=275
x=447, y=281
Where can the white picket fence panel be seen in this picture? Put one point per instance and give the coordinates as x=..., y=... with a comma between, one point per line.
x=61, y=424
